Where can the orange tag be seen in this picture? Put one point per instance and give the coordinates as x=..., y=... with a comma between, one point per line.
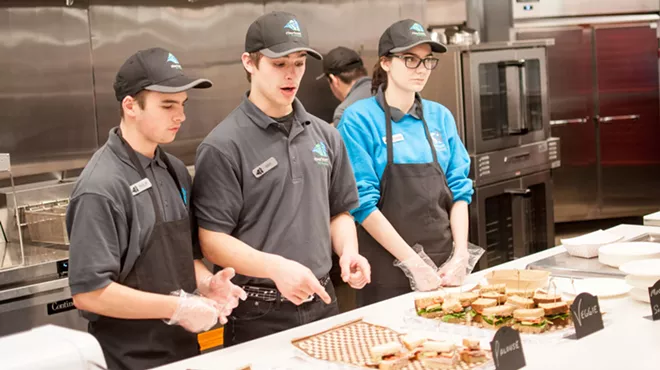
x=211, y=339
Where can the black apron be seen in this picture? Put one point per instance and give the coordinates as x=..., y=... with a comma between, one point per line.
x=165, y=264
x=416, y=200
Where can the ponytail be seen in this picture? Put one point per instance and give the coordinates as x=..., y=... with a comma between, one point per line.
x=379, y=76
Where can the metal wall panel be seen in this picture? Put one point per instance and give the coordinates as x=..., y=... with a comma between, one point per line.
x=207, y=40
x=46, y=96
x=569, y=8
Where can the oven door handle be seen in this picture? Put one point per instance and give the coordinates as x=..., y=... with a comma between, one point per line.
x=516, y=95
x=518, y=192
x=560, y=122
x=627, y=117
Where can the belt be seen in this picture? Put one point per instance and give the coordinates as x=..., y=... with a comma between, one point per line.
x=267, y=294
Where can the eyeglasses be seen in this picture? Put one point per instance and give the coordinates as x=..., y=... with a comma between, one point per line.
x=413, y=62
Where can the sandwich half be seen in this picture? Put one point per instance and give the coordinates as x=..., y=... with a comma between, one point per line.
x=438, y=355
x=472, y=352
x=429, y=307
x=493, y=288
x=388, y=356
x=501, y=298
x=454, y=312
x=557, y=313
x=478, y=307
x=530, y=320
x=412, y=341
x=498, y=316
x=520, y=302
x=525, y=293
x=546, y=298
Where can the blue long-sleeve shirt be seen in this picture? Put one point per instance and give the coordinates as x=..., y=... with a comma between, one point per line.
x=363, y=129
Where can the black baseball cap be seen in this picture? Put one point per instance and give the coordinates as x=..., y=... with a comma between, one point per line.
x=340, y=59
x=278, y=34
x=154, y=69
x=404, y=35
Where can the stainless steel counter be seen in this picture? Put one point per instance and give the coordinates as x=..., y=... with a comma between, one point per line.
x=565, y=265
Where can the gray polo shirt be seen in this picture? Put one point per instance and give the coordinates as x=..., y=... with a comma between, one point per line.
x=273, y=191
x=107, y=225
x=396, y=113
x=361, y=89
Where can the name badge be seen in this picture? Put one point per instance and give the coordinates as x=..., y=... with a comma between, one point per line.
x=395, y=138
x=268, y=165
x=140, y=186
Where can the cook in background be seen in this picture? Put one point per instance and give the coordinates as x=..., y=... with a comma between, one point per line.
x=411, y=170
x=273, y=190
x=347, y=77
x=136, y=271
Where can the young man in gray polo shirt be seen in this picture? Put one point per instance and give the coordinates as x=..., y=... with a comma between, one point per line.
x=134, y=264
x=272, y=191
x=347, y=77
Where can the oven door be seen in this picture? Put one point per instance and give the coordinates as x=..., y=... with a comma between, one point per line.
x=505, y=98
x=512, y=219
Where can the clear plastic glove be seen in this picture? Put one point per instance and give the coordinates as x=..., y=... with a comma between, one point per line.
x=194, y=313
x=420, y=270
x=461, y=264
x=220, y=289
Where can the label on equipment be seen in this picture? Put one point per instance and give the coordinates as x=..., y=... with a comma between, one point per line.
x=60, y=306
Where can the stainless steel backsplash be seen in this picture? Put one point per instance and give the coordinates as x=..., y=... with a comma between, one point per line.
x=58, y=62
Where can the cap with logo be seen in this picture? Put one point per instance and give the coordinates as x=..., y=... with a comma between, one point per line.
x=405, y=35
x=340, y=59
x=154, y=69
x=278, y=34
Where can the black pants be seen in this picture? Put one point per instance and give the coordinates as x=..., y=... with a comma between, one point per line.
x=254, y=319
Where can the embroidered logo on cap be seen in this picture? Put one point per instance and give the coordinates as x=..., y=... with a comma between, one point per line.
x=293, y=28
x=175, y=62
x=417, y=30
x=320, y=153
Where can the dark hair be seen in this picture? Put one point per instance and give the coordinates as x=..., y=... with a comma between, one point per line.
x=352, y=74
x=140, y=98
x=256, y=57
x=379, y=76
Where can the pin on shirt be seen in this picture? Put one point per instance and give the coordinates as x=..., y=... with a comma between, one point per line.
x=395, y=138
x=140, y=186
x=268, y=165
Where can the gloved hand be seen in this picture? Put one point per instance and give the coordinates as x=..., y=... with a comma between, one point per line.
x=194, y=313
x=220, y=289
x=421, y=270
x=453, y=272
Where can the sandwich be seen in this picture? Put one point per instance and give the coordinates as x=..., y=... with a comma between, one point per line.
x=520, y=302
x=412, y=341
x=453, y=311
x=530, y=320
x=525, y=293
x=494, y=288
x=388, y=356
x=438, y=355
x=429, y=307
x=478, y=307
x=546, y=298
x=465, y=298
x=498, y=316
x=501, y=298
x=557, y=313
x=472, y=352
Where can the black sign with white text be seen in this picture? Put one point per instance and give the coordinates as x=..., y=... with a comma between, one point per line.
x=586, y=315
x=507, y=349
x=654, y=294
x=60, y=306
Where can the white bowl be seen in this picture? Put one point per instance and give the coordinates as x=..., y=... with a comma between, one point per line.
x=644, y=268
x=640, y=294
x=618, y=254
x=586, y=246
x=642, y=282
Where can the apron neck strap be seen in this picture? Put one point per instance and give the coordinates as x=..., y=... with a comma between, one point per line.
x=388, y=128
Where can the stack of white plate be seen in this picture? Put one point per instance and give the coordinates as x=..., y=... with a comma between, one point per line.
x=617, y=254
x=641, y=275
x=586, y=246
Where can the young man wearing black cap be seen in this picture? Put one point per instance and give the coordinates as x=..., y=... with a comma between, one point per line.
x=347, y=78
x=272, y=191
x=134, y=266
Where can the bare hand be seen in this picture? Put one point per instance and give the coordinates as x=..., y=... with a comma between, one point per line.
x=355, y=270
x=296, y=282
